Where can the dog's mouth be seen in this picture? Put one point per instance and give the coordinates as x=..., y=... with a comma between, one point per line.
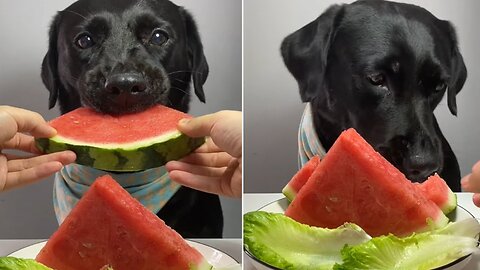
x=416, y=167
x=125, y=93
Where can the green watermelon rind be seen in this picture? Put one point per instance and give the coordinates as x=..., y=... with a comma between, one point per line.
x=203, y=265
x=289, y=193
x=142, y=156
x=451, y=203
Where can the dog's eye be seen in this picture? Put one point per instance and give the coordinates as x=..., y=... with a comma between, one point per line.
x=84, y=41
x=440, y=87
x=376, y=79
x=159, y=37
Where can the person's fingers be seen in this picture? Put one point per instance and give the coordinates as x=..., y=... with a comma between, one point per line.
x=21, y=178
x=65, y=157
x=476, y=199
x=232, y=178
x=236, y=178
x=219, y=159
x=476, y=170
x=22, y=142
x=465, y=183
x=208, y=184
x=228, y=182
x=476, y=167
x=224, y=127
x=3, y=171
x=199, y=126
x=471, y=182
x=208, y=147
x=194, y=169
x=15, y=120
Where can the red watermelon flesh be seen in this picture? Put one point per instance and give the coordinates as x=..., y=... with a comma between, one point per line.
x=434, y=188
x=109, y=227
x=300, y=178
x=111, y=130
x=437, y=190
x=354, y=183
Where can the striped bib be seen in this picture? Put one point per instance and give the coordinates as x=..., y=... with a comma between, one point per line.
x=308, y=143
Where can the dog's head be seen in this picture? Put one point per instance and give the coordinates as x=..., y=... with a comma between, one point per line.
x=382, y=68
x=123, y=56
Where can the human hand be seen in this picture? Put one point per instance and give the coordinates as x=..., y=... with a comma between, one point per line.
x=216, y=166
x=471, y=183
x=15, y=170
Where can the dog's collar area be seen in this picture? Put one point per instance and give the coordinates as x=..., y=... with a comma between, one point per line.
x=308, y=143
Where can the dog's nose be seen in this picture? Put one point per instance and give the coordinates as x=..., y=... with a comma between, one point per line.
x=129, y=83
x=419, y=168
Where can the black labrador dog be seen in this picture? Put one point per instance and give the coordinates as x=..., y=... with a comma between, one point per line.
x=382, y=68
x=122, y=56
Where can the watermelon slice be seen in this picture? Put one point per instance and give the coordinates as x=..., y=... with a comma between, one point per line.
x=434, y=188
x=127, y=143
x=109, y=227
x=437, y=190
x=300, y=178
x=354, y=183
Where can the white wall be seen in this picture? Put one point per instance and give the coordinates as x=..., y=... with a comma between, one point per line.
x=272, y=105
x=28, y=212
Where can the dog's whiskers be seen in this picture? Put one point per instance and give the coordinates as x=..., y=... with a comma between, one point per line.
x=181, y=90
x=176, y=79
x=179, y=71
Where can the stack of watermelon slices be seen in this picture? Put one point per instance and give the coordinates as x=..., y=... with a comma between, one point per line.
x=354, y=183
x=108, y=227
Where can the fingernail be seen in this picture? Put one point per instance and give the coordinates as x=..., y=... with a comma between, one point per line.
x=184, y=121
x=52, y=131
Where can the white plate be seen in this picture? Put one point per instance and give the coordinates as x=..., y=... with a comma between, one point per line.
x=214, y=256
x=279, y=206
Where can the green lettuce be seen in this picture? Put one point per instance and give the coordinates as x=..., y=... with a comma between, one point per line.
x=284, y=243
x=12, y=263
x=420, y=251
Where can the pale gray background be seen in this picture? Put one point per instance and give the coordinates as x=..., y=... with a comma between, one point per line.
x=28, y=212
x=272, y=106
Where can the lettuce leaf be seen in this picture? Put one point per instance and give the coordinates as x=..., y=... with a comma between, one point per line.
x=420, y=251
x=12, y=263
x=284, y=243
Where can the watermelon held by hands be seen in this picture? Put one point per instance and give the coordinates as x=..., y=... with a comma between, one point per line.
x=108, y=227
x=434, y=188
x=354, y=183
x=300, y=178
x=124, y=143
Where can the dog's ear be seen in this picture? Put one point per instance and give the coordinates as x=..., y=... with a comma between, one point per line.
x=458, y=73
x=198, y=62
x=305, y=51
x=49, y=65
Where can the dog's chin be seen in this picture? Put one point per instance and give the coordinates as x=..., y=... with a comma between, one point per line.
x=119, y=108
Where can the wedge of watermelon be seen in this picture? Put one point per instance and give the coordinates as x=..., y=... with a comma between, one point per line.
x=437, y=190
x=108, y=227
x=354, y=183
x=130, y=142
x=300, y=178
x=434, y=188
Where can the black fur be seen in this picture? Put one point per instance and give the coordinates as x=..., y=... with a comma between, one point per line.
x=123, y=70
x=339, y=59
